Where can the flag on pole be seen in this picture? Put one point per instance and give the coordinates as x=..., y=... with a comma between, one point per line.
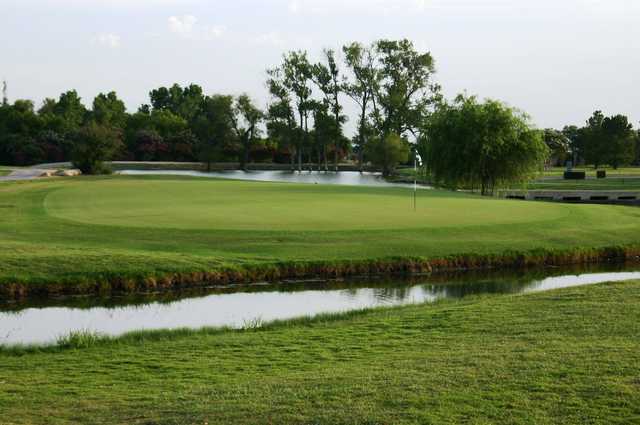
x=417, y=161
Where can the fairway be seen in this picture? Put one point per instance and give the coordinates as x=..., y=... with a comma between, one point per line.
x=88, y=229
x=563, y=357
x=198, y=204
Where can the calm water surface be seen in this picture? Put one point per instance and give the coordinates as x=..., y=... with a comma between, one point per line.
x=348, y=178
x=45, y=321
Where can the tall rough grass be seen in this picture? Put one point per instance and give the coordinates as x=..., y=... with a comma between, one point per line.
x=80, y=339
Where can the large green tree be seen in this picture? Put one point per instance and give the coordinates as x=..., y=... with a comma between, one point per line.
x=213, y=128
x=109, y=110
x=92, y=145
x=280, y=117
x=361, y=86
x=609, y=140
x=577, y=142
x=294, y=76
x=405, y=92
x=70, y=109
x=559, y=147
x=595, y=142
x=19, y=128
x=148, y=134
x=485, y=145
x=387, y=152
x=620, y=140
x=245, y=118
x=185, y=102
x=328, y=78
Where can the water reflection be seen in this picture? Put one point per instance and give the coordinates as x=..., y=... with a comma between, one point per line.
x=43, y=321
x=348, y=178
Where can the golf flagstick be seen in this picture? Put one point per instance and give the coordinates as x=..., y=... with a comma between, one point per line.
x=417, y=159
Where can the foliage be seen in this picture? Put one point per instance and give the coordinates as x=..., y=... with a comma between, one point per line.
x=328, y=79
x=404, y=92
x=291, y=83
x=559, y=146
x=245, y=118
x=387, y=152
x=360, y=60
x=620, y=138
x=92, y=145
x=577, y=143
x=481, y=145
x=609, y=140
x=186, y=102
x=390, y=82
x=214, y=128
x=109, y=110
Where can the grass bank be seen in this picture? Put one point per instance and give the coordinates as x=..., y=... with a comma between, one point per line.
x=592, y=172
x=568, y=356
x=610, y=183
x=98, y=234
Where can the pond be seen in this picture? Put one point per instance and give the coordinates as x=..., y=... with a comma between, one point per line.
x=348, y=178
x=42, y=322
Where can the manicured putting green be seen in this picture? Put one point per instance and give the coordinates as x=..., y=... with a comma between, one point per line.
x=233, y=205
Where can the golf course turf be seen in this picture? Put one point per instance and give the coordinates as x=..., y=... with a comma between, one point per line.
x=100, y=233
x=566, y=356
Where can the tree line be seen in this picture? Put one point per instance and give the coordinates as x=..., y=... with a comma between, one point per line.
x=601, y=141
x=399, y=112
x=303, y=123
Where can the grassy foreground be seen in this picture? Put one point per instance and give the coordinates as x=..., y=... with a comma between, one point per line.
x=96, y=231
x=568, y=356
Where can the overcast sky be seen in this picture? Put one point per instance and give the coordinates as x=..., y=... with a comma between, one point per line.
x=558, y=60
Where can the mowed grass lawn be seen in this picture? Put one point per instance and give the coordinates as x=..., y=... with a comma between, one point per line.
x=570, y=356
x=73, y=229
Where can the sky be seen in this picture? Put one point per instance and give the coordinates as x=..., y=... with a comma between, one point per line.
x=557, y=60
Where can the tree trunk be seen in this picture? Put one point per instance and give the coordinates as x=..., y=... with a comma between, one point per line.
x=301, y=142
x=245, y=158
x=306, y=137
x=363, y=117
x=337, y=141
x=325, y=154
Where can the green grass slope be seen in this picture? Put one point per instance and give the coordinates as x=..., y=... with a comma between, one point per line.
x=84, y=228
x=570, y=356
x=610, y=183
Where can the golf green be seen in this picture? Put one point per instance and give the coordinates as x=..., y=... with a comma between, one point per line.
x=197, y=204
x=101, y=229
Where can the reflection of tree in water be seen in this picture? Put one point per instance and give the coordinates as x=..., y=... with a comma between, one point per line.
x=398, y=293
x=460, y=290
x=382, y=294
